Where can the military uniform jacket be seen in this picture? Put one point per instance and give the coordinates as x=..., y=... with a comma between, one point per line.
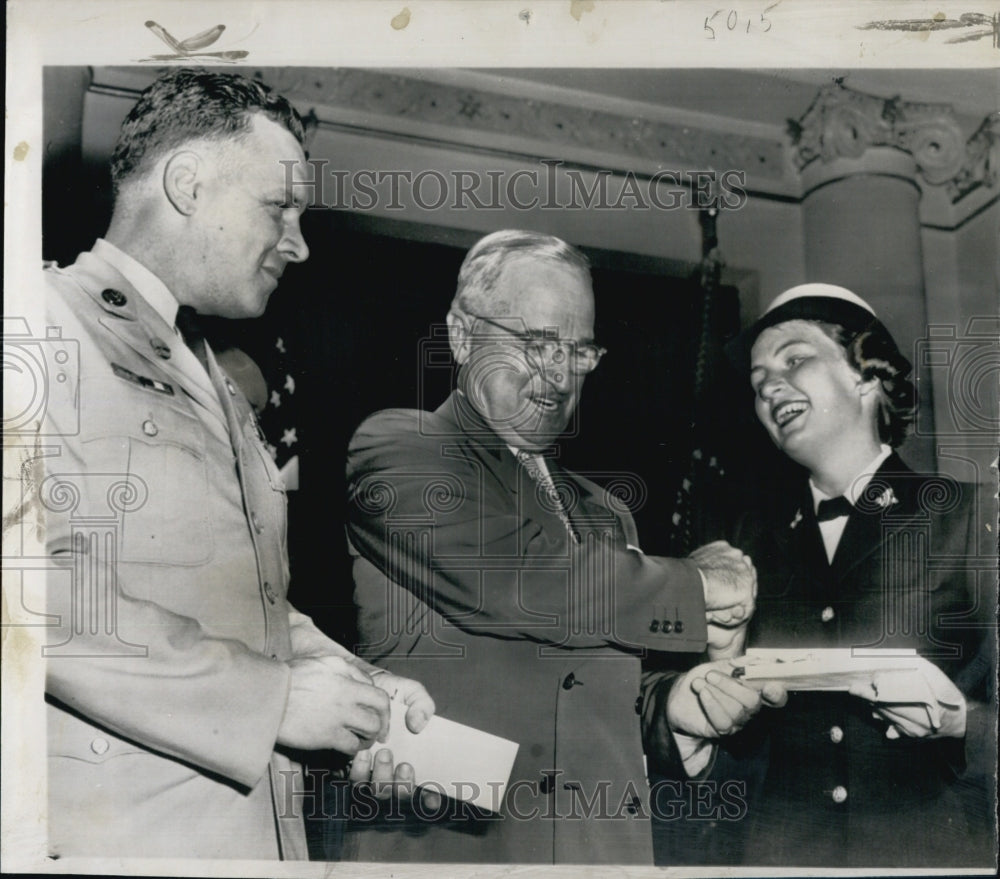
x=165, y=675
x=915, y=567
x=468, y=580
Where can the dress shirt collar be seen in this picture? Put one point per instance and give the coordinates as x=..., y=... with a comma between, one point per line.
x=146, y=284
x=856, y=485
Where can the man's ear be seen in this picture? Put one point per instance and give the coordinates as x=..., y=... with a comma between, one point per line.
x=181, y=181
x=458, y=337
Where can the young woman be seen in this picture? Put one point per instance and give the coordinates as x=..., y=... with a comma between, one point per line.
x=863, y=553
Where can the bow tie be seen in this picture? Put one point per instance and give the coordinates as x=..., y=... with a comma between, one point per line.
x=833, y=509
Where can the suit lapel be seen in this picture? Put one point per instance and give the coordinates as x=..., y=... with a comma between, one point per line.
x=798, y=538
x=591, y=509
x=888, y=503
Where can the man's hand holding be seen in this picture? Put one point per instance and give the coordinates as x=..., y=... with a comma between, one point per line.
x=332, y=704
x=376, y=768
x=707, y=702
x=726, y=642
x=406, y=691
x=730, y=583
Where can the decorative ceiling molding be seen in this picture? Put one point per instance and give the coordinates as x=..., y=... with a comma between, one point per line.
x=844, y=123
x=556, y=129
x=520, y=120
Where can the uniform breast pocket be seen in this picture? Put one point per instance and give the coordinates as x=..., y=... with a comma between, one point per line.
x=147, y=453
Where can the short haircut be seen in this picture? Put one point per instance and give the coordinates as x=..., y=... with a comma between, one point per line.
x=873, y=353
x=477, y=278
x=186, y=105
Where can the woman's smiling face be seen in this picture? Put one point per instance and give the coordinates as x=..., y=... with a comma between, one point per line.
x=807, y=396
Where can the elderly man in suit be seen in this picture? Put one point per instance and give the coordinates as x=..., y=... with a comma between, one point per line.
x=862, y=553
x=516, y=590
x=180, y=682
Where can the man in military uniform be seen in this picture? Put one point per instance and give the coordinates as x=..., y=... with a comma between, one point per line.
x=179, y=679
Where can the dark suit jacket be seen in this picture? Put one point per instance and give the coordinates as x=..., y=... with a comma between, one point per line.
x=904, y=575
x=467, y=580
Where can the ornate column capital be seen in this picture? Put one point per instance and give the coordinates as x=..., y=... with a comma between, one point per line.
x=842, y=123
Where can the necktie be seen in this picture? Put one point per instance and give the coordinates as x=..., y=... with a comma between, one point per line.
x=833, y=509
x=193, y=333
x=540, y=474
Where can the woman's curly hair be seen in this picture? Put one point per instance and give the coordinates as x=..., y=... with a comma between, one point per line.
x=873, y=353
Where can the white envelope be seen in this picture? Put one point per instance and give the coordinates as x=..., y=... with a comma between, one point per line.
x=463, y=762
x=833, y=668
x=892, y=675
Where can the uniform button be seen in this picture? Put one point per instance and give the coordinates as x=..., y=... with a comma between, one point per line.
x=666, y=627
x=149, y=427
x=256, y=523
x=230, y=388
x=678, y=626
x=160, y=347
x=654, y=625
x=570, y=681
x=836, y=735
x=113, y=297
x=827, y=614
x=839, y=793
x=100, y=746
x=269, y=592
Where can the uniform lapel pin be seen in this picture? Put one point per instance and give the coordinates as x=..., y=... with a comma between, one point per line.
x=798, y=518
x=887, y=499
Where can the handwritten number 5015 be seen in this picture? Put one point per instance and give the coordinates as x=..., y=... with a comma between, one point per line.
x=732, y=21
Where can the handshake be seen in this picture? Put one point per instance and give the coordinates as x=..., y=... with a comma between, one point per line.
x=730, y=582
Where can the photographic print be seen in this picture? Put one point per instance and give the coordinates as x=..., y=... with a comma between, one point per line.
x=462, y=437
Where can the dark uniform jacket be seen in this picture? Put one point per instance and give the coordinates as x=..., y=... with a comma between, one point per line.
x=915, y=567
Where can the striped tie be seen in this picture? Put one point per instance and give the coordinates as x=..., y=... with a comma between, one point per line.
x=538, y=472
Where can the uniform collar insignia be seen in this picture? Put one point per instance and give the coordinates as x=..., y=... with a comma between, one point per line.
x=887, y=499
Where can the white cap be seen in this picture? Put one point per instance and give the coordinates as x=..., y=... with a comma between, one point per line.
x=828, y=291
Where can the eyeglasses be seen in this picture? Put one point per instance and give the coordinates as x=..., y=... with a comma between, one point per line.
x=546, y=347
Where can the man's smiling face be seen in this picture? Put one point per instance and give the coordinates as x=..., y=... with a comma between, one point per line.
x=527, y=402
